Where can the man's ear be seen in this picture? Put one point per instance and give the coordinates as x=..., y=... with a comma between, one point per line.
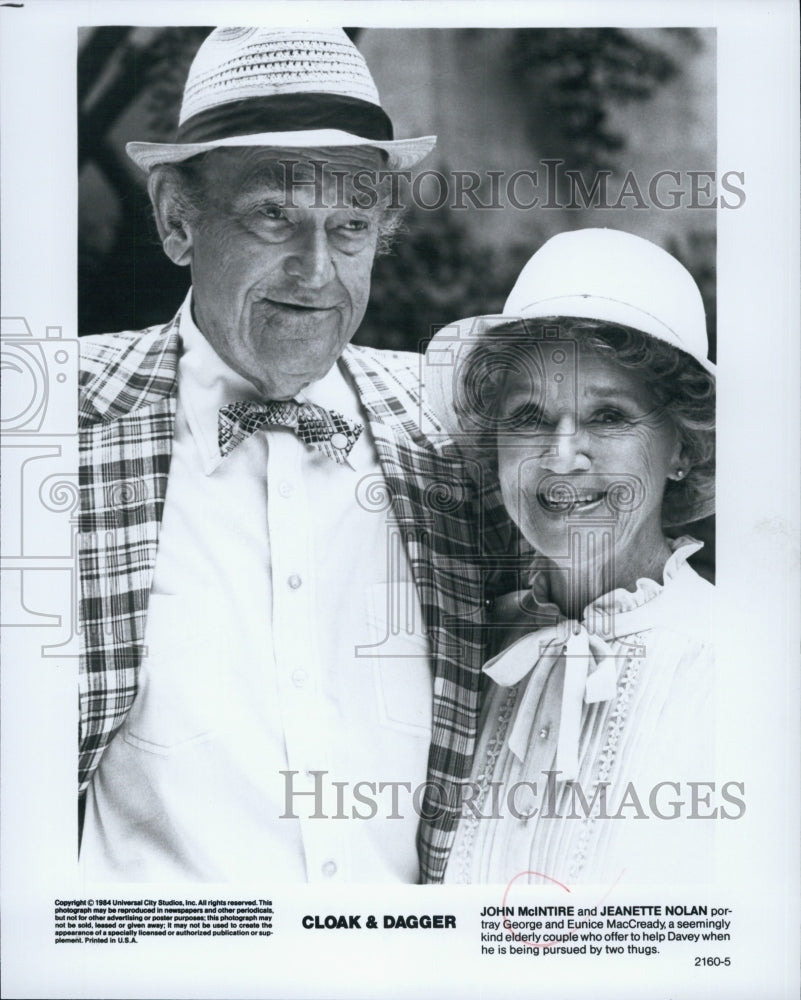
x=171, y=211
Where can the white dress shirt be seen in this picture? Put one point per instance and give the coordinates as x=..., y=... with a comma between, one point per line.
x=270, y=648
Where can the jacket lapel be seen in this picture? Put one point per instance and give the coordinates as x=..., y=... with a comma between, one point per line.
x=129, y=386
x=438, y=518
x=126, y=428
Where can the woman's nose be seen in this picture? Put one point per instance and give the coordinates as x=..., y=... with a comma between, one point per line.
x=310, y=260
x=568, y=449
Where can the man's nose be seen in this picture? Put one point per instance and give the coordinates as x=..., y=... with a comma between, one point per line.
x=568, y=449
x=310, y=261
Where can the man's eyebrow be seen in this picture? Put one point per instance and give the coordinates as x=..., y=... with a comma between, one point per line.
x=264, y=188
x=274, y=190
x=269, y=176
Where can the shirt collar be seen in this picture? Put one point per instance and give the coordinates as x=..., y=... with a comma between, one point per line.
x=206, y=383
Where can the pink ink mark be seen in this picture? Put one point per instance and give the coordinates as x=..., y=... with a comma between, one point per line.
x=548, y=944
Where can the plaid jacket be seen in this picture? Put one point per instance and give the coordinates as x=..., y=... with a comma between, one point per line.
x=452, y=534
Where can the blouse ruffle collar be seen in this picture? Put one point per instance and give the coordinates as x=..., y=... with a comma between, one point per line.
x=581, y=648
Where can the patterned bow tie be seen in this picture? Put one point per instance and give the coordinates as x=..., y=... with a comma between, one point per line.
x=325, y=430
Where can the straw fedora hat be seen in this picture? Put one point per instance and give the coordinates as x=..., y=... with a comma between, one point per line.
x=283, y=88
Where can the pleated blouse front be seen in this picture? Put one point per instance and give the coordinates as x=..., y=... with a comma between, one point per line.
x=629, y=812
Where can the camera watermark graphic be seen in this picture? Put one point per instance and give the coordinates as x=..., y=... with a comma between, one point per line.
x=40, y=496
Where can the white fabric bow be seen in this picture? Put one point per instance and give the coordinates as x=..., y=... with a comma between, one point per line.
x=590, y=664
x=590, y=676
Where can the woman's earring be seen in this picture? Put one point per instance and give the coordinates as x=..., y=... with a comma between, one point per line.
x=679, y=473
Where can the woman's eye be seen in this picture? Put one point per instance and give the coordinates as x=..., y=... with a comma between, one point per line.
x=529, y=416
x=609, y=417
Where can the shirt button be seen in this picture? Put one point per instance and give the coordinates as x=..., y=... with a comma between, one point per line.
x=527, y=807
x=544, y=734
x=294, y=581
x=299, y=678
x=285, y=489
x=329, y=869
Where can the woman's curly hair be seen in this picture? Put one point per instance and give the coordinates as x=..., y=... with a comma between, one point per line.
x=681, y=389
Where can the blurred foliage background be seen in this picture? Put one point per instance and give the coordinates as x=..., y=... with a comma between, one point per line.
x=596, y=98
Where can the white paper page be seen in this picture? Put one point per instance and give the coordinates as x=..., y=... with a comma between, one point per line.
x=755, y=884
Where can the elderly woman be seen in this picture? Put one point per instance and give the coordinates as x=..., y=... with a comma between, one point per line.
x=592, y=400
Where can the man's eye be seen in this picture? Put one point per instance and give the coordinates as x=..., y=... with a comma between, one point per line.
x=272, y=212
x=356, y=225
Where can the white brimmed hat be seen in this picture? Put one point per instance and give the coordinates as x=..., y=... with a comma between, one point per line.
x=595, y=274
x=282, y=88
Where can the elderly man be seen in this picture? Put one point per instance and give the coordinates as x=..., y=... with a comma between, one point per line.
x=281, y=577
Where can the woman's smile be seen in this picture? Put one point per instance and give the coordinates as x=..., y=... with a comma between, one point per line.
x=563, y=497
x=593, y=455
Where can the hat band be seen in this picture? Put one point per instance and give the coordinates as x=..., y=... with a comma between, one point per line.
x=287, y=113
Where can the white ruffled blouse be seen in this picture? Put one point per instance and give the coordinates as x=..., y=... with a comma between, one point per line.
x=590, y=733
